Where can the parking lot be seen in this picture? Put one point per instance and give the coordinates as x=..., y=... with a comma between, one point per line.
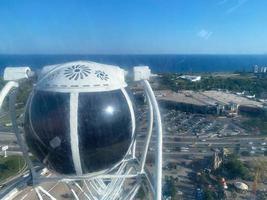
x=190, y=137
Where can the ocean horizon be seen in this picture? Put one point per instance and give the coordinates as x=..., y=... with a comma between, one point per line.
x=195, y=63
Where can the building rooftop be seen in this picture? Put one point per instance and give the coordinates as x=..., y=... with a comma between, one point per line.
x=207, y=98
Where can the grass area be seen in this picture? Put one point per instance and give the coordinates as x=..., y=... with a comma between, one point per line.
x=10, y=166
x=256, y=124
x=6, y=121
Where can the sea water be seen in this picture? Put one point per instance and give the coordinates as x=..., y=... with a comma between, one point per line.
x=158, y=63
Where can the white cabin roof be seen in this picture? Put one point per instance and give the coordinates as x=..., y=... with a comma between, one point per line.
x=81, y=76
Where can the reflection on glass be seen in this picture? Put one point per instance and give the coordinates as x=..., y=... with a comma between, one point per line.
x=47, y=130
x=109, y=110
x=104, y=128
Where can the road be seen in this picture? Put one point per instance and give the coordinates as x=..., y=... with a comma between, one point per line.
x=19, y=182
x=195, y=146
x=172, y=143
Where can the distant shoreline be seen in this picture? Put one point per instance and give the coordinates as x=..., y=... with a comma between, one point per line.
x=179, y=63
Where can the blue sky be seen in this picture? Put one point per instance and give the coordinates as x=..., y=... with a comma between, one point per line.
x=133, y=27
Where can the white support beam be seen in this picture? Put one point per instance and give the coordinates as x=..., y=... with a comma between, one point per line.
x=41, y=189
x=158, y=192
x=84, y=193
x=149, y=134
x=90, y=192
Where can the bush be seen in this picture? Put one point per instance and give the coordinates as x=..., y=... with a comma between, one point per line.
x=235, y=168
x=209, y=195
x=169, y=188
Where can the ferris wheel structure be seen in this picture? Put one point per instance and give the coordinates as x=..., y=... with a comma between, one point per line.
x=106, y=169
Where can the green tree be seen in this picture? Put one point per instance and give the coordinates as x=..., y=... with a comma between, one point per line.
x=209, y=195
x=169, y=188
x=236, y=168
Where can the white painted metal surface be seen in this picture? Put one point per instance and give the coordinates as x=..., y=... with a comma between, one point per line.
x=141, y=73
x=149, y=134
x=74, y=133
x=81, y=76
x=154, y=102
x=16, y=73
x=4, y=148
x=6, y=90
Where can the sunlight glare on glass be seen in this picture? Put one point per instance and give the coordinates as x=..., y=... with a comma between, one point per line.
x=109, y=110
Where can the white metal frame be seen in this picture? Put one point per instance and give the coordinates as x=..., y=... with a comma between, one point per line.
x=111, y=185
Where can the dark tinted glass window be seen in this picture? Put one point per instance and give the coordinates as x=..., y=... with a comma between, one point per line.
x=105, y=129
x=48, y=137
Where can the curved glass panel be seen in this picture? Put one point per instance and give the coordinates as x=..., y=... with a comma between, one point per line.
x=47, y=130
x=105, y=129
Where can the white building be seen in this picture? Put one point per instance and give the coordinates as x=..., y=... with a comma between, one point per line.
x=259, y=70
x=191, y=78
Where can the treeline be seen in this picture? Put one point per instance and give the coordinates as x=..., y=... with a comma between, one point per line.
x=239, y=83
